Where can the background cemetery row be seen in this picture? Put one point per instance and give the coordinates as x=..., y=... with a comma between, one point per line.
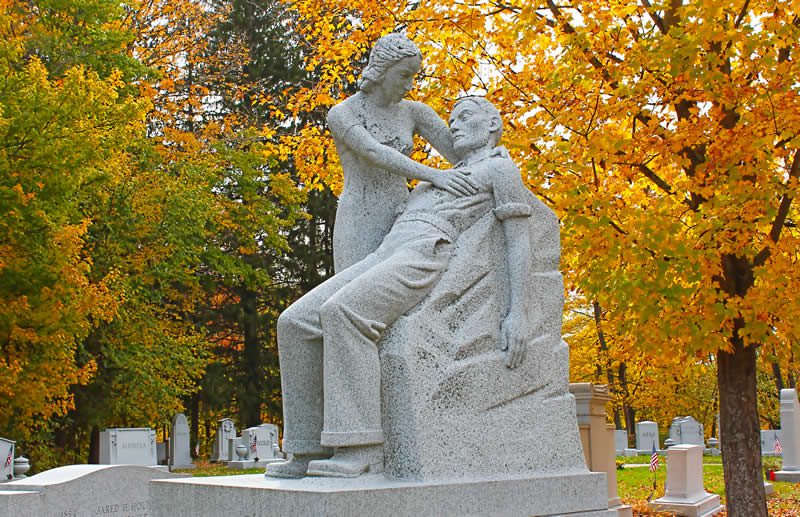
x=167, y=187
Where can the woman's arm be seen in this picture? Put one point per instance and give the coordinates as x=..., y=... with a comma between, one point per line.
x=351, y=133
x=433, y=129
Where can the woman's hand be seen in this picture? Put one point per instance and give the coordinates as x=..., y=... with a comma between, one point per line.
x=455, y=181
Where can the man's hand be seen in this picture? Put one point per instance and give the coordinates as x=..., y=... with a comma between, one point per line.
x=514, y=337
x=455, y=181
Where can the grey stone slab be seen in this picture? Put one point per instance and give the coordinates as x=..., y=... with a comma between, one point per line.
x=377, y=496
x=647, y=437
x=705, y=506
x=226, y=430
x=789, y=476
x=620, y=441
x=180, y=456
x=21, y=503
x=768, y=446
x=128, y=446
x=686, y=430
x=83, y=491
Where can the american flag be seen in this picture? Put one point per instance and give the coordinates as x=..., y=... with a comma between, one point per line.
x=10, y=458
x=654, y=460
x=778, y=448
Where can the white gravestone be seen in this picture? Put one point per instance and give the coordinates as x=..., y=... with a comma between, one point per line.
x=620, y=441
x=128, y=446
x=7, y=448
x=83, y=491
x=646, y=437
x=686, y=430
x=768, y=437
x=265, y=442
x=684, y=488
x=261, y=444
x=226, y=430
x=180, y=456
x=790, y=437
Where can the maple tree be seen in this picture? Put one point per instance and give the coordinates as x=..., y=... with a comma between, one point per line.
x=665, y=135
x=65, y=128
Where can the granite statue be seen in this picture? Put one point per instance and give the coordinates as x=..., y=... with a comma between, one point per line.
x=374, y=131
x=342, y=398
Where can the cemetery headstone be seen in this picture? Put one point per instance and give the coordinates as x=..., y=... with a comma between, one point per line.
x=82, y=491
x=646, y=437
x=790, y=437
x=226, y=430
x=686, y=430
x=261, y=443
x=620, y=441
x=7, y=448
x=266, y=442
x=685, y=494
x=769, y=437
x=128, y=446
x=180, y=456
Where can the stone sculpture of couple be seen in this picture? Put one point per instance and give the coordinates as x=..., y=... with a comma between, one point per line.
x=460, y=242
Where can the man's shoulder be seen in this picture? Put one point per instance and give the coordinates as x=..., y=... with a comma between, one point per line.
x=498, y=160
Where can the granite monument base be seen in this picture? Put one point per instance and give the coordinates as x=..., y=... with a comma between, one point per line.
x=250, y=464
x=705, y=506
x=581, y=494
x=790, y=476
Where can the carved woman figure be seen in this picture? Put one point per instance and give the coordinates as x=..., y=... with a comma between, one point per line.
x=374, y=131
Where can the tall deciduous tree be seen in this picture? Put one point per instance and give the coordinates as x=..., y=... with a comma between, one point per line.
x=664, y=133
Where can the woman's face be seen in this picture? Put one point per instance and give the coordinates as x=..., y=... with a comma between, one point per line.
x=399, y=78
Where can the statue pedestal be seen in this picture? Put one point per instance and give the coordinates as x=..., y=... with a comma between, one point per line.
x=580, y=494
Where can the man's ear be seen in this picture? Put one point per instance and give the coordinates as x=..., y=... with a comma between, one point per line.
x=494, y=124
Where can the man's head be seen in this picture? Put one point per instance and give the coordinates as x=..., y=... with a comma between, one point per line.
x=475, y=124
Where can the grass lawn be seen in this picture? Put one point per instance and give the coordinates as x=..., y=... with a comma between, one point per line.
x=635, y=485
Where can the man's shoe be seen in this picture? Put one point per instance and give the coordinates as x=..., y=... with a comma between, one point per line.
x=294, y=468
x=349, y=462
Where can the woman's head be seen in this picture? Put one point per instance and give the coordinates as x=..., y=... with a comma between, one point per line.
x=387, y=52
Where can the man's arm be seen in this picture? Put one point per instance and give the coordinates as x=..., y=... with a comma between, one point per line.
x=513, y=211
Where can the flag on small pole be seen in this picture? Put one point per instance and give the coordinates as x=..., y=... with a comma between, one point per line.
x=778, y=448
x=653, y=469
x=654, y=460
x=10, y=458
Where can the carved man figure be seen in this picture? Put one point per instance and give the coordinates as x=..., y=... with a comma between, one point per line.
x=327, y=340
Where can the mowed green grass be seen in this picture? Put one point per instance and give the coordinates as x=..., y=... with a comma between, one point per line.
x=635, y=485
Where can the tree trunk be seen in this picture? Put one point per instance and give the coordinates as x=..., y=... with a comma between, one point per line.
x=194, y=433
x=776, y=372
x=601, y=339
x=744, y=481
x=250, y=391
x=94, y=446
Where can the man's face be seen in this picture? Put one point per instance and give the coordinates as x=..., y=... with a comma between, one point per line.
x=470, y=127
